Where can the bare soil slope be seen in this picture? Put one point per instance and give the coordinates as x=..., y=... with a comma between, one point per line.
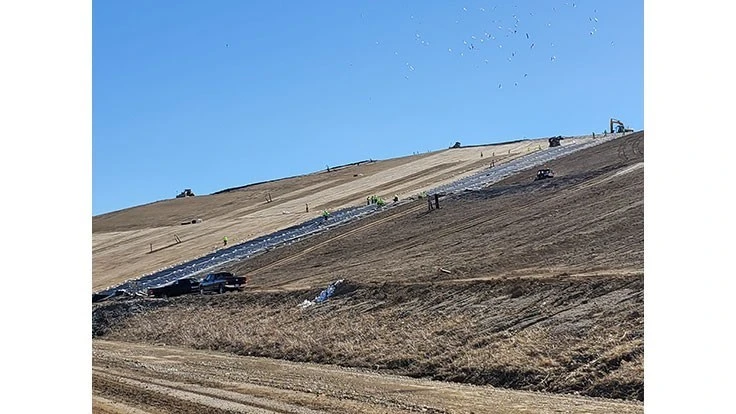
x=588, y=220
x=535, y=286
x=122, y=241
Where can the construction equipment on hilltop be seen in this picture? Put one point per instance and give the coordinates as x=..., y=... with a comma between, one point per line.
x=544, y=173
x=192, y=221
x=620, y=127
x=186, y=193
x=555, y=141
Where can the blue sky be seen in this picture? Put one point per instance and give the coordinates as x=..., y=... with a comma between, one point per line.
x=210, y=95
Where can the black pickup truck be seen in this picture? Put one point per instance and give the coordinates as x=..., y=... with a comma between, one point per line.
x=175, y=288
x=221, y=282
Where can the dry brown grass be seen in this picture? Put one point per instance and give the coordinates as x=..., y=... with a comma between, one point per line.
x=515, y=342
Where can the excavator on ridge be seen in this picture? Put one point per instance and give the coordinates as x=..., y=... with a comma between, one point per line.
x=620, y=128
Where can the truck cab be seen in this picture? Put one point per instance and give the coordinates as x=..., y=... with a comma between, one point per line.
x=175, y=288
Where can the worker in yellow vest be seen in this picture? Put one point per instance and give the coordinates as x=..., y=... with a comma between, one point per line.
x=224, y=241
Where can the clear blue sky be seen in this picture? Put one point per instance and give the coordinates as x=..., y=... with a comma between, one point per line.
x=210, y=95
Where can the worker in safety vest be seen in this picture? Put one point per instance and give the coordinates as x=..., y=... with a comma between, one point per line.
x=224, y=241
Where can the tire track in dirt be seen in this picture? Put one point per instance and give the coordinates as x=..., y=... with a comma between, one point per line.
x=331, y=240
x=130, y=237
x=147, y=400
x=475, y=221
x=610, y=177
x=478, y=220
x=207, y=397
x=437, y=235
x=101, y=405
x=577, y=229
x=631, y=144
x=391, y=184
x=549, y=316
x=229, y=384
x=281, y=199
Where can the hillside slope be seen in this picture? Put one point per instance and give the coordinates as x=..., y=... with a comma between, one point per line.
x=525, y=285
x=122, y=241
x=587, y=220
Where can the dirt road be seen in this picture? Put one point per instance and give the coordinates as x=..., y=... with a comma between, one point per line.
x=137, y=378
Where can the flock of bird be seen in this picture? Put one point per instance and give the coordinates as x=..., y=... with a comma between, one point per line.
x=499, y=40
x=504, y=40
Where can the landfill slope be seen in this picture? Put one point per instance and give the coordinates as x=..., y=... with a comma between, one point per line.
x=587, y=220
x=525, y=285
x=130, y=243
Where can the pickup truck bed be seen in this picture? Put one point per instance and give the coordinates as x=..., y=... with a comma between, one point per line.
x=221, y=282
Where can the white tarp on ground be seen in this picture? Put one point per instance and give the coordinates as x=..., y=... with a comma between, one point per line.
x=323, y=296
